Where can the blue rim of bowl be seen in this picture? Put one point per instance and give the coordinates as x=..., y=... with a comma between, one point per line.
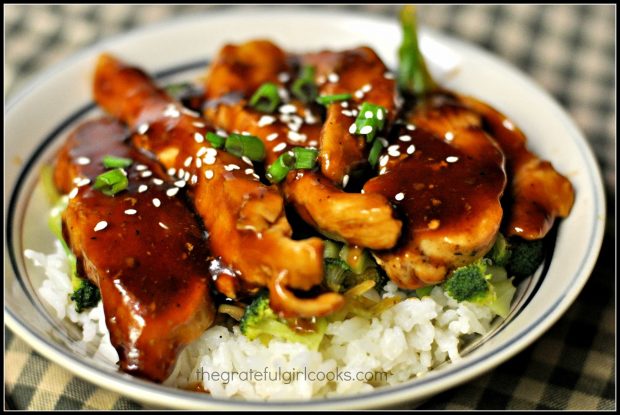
x=131, y=382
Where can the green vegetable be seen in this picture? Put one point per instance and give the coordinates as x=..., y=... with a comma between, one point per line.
x=245, y=145
x=336, y=272
x=111, y=182
x=424, y=291
x=375, y=151
x=266, y=98
x=260, y=322
x=330, y=99
x=47, y=181
x=370, y=120
x=526, y=257
x=413, y=75
x=278, y=170
x=216, y=140
x=304, y=87
x=86, y=295
x=331, y=249
x=305, y=158
x=480, y=283
x=345, y=268
x=177, y=90
x=111, y=162
x=501, y=251
x=358, y=259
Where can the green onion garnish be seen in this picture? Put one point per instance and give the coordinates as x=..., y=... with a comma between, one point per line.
x=305, y=158
x=111, y=182
x=280, y=168
x=304, y=87
x=216, y=140
x=375, y=150
x=245, y=145
x=329, y=99
x=266, y=98
x=112, y=162
x=413, y=74
x=370, y=120
x=175, y=90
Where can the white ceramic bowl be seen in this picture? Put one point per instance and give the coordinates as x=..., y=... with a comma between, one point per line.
x=37, y=120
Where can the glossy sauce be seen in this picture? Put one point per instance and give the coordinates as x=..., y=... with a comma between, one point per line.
x=149, y=262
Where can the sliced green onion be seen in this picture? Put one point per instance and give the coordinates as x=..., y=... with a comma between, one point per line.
x=280, y=168
x=112, y=162
x=370, y=120
x=413, y=74
x=375, y=151
x=305, y=158
x=111, y=182
x=266, y=98
x=216, y=140
x=331, y=249
x=245, y=145
x=304, y=87
x=328, y=99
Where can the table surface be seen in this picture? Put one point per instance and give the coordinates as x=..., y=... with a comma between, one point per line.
x=569, y=50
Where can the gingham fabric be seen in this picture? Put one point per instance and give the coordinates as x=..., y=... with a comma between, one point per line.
x=569, y=50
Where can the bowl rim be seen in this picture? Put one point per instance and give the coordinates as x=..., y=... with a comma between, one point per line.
x=142, y=390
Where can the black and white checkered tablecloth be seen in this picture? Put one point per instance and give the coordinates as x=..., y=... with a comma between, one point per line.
x=569, y=50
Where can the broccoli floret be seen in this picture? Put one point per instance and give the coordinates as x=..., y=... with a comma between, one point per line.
x=501, y=251
x=336, y=272
x=86, y=295
x=482, y=284
x=526, y=257
x=260, y=322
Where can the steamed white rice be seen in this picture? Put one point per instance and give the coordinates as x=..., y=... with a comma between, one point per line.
x=356, y=355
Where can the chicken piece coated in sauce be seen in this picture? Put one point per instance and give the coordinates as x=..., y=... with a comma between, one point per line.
x=446, y=176
x=352, y=217
x=245, y=219
x=144, y=250
x=538, y=193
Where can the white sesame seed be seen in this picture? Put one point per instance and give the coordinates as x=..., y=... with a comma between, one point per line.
x=180, y=183
x=345, y=180
x=124, y=172
x=198, y=137
x=158, y=182
x=209, y=174
x=383, y=170
x=83, y=182
x=367, y=129
x=156, y=202
x=141, y=167
x=388, y=75
x=142, y=188
x=208, y=159
x=352, y=129
x=393, y=150
x=172, y=191
x=188, y=161
x=221, y=132
x=201, y=151
x=163, y=225
x=147, y=173
x=131, y=212
x=245, y=133
x=255, y=176
x=379, y=114
x=383, y=141
x=171, y=171
x=358, y=94
x=347, y=113
x=321, y=79
x=198, y=124
x=248, y=171
x=383, y=160
x=180, y=173
x=283, y=77
x=449, y=136
x=344, y=104
x=405, y=138
x=410, y=127
x=399, y=196
x=283, y=94
x=309, y=117
x=287, y=109
x=411, y=149
x=354, y=112
x=211, y=152
x=198, y=162
x=296, y=137
x=194, y=179
x=186, y=176
x=143, y=128
x=231, y=167
x=312, y=143
x=171, y=111
x=247, y=160
x=366, y=88
x=82, y=161
x=518, y=229
x=73, y=193
x=266, y=120
x=279, y=147
x=100, y=226
x=333, y=77
x=509, y=125
x=452, y=159
x=369, y=114
x=272, y=136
